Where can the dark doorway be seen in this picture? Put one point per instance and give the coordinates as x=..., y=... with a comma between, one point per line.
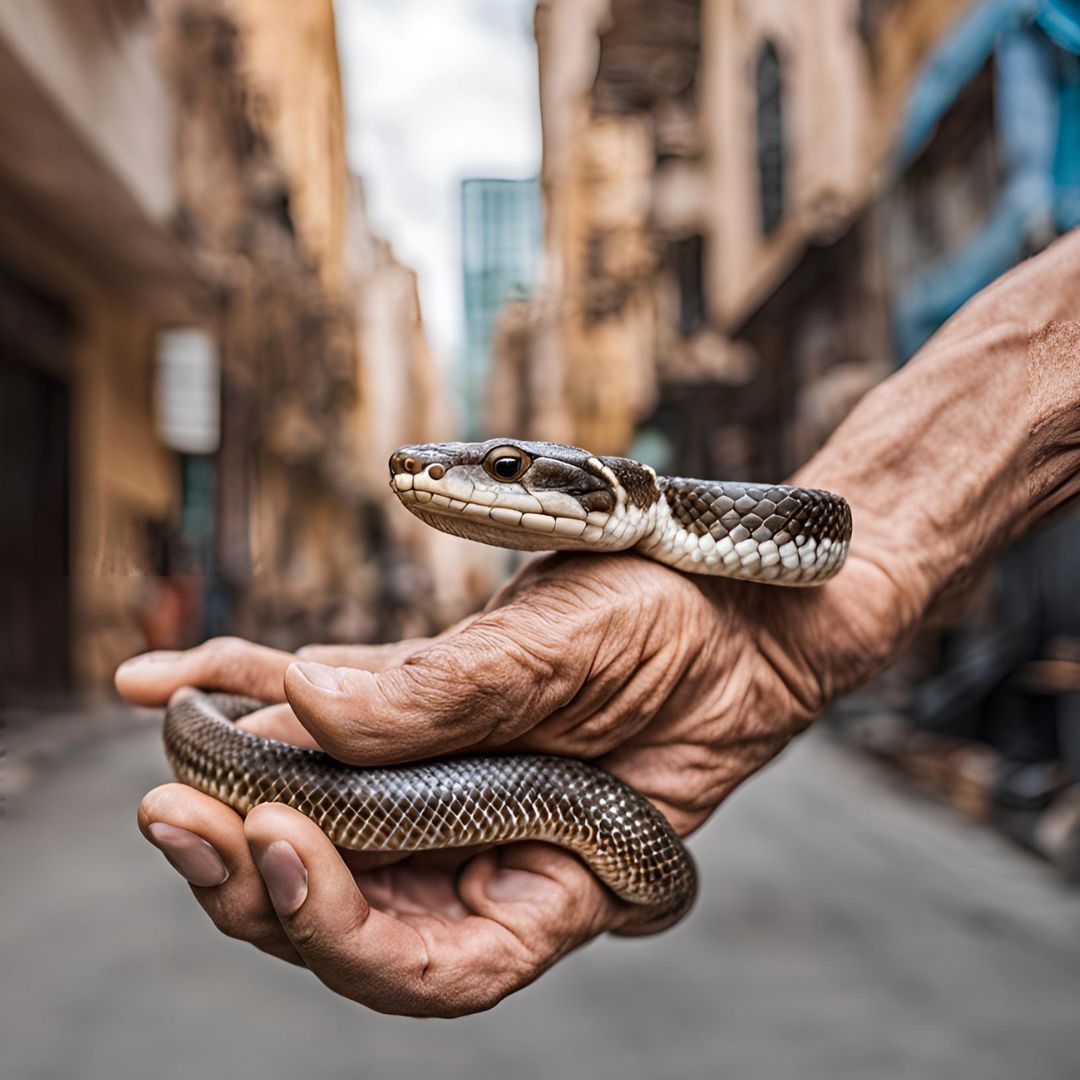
x=35, y=591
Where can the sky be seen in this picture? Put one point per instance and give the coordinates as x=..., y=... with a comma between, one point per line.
x=436, y=91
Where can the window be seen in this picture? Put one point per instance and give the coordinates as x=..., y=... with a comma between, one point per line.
x=688, y=258
x=768, y=80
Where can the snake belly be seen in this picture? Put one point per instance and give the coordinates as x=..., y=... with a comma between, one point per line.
x=453, y=802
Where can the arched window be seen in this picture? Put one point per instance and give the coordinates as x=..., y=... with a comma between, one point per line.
x=768, y=82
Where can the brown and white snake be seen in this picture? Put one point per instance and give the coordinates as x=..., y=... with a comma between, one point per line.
x=532, y=496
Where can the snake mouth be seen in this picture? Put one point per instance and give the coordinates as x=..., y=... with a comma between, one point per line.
x=522, y=529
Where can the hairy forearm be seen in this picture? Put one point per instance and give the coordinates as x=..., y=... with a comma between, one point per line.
x=975, y=439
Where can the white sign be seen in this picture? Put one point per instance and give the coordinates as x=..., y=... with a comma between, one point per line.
x=188, y=391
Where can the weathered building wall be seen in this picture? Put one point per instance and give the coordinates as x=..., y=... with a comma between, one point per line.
x=596, y=325
x=290, y=56
x=693, y=153
x=326, y=362
x=842, y=85
x=181, y=162
x=86, y=196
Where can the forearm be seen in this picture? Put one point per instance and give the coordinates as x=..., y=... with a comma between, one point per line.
x=975, y=439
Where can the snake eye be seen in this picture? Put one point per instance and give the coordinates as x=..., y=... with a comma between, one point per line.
x=506, y=463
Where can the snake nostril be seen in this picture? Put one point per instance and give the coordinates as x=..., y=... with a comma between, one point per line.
x=436, y=472
x=411, y=465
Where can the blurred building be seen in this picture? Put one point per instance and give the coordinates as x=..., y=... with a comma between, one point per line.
x=753, y=210
x=500, y=252
x=698, y=154
x=179, y=164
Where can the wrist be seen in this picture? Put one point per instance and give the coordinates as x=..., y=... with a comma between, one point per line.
x=973, y=440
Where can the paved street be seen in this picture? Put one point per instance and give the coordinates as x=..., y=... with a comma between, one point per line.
x=846, y=930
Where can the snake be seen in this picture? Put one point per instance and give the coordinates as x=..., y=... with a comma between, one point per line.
x=529, y=496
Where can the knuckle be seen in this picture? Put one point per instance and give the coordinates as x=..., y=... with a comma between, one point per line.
x=223, y=653
x=336, y=739
x=304, y=935
x=266, y=937
x=241, y=922
x=222, y=643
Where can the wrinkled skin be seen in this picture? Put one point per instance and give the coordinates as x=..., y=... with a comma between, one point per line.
x=681, y=686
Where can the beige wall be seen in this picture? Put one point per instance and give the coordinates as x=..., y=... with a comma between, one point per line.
x=841, y=112
x=86, y=200
x=122, y=476
x=98, y=66
x=592, y=365
x=290, y=56
x=604, y=332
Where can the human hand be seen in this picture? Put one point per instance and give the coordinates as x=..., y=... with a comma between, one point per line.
x=681, y=686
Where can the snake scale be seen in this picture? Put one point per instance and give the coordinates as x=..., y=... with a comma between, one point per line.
x=532, y=496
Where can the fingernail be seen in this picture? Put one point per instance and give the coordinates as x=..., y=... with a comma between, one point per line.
x=285, y=876
x=510, y=886
x=321, y=675
x=191, y=855
x=161, y=656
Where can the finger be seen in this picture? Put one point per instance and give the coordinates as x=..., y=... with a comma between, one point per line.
x=204, y=841
x=490, y=682
x=230, y=664
x=376, y=657
x=546, y=898
x=368, y=657
x=361, y=953
x=420, y=964
x=278, y=722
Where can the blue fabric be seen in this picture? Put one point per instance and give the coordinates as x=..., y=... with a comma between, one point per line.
x=1038, y=114
x=1027, y=112
x=1060, y=19
x=1067, y=160
x=942, y=289
x=953, y=64
x=1027, y=115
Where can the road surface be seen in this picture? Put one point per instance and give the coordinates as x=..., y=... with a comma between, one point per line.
x=846, y=929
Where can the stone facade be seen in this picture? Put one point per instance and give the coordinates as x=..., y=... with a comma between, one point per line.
x=706, y=164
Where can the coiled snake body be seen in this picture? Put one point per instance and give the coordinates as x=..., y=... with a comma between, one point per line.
x=531, y=496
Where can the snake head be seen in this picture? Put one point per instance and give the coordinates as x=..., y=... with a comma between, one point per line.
x=533, y=496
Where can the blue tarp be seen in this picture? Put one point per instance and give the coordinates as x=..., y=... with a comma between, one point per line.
x=1038, y=114
x=1067, y=161
x=1061, y=21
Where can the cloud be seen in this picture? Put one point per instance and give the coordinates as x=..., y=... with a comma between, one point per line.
x=436, y=91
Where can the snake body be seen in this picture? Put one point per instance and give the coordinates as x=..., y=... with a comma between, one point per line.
x=531, y=496
x=537, y=496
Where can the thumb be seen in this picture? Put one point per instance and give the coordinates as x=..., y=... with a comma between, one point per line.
x=374, y=657
x=488, y=683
